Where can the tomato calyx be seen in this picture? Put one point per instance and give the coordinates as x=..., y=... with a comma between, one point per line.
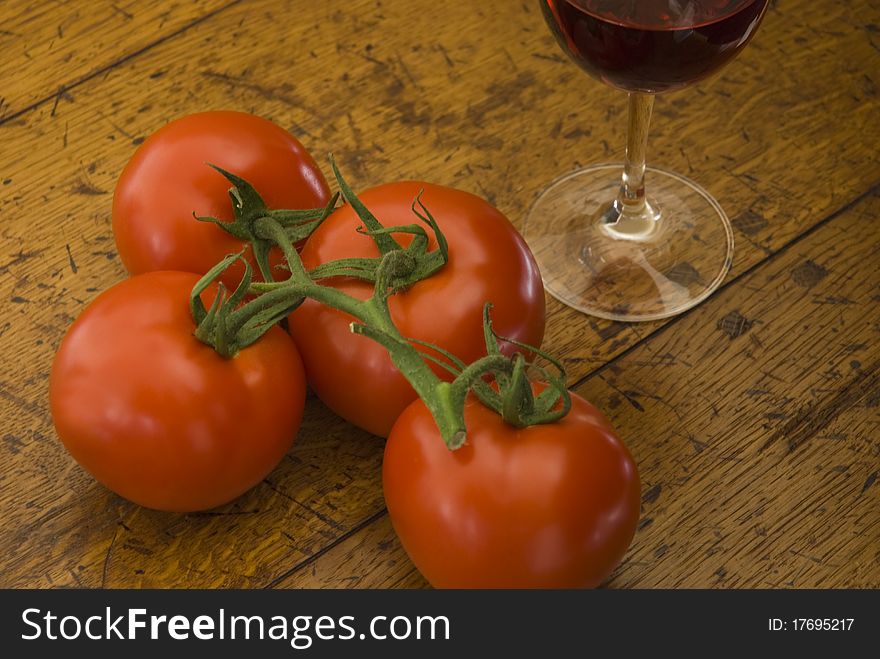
x=227, y=326
x=248, y=207
x=414, y=262
x=513, y=397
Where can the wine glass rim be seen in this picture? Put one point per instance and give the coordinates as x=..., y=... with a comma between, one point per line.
x=736, y=8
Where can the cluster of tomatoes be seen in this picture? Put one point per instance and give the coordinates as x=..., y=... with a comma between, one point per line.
x=166, y=421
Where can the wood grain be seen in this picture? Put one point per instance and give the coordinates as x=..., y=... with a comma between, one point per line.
x=49, y=47
x=440, y=91
x=755, y=422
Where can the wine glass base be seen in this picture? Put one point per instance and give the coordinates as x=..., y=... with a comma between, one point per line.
x=600, y=265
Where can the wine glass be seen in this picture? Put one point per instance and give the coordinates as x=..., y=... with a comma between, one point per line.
x=604, y=245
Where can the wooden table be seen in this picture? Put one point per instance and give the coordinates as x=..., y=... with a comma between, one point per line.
x=753, y=418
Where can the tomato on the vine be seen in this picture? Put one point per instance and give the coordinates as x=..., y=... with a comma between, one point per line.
x=547, y=506
x=488, y=261
x=159, y=417
x=168, y=179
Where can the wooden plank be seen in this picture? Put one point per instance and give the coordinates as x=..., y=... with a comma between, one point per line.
x=440, y=97
x=754, y=421
x=47, y=47
x=371, y=557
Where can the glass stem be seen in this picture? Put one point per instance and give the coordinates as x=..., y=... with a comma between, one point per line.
x=631, y=199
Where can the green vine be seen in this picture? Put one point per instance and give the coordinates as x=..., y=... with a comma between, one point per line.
x=501, y=383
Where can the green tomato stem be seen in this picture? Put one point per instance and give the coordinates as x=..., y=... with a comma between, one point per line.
x=230, y=326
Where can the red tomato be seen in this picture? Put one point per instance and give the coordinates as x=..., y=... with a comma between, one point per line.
x=168, y=179
x=488, y=262
x=549, y=506
x=159, y=417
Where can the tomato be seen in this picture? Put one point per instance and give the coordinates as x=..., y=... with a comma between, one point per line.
x=488, y=262
x=167, y=180
x=159, y=417
x=548, y=506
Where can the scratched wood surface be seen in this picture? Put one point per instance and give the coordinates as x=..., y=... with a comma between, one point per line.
x=753, y=417
x=47, y=46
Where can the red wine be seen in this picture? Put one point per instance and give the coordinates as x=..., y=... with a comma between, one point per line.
x=652, y=45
